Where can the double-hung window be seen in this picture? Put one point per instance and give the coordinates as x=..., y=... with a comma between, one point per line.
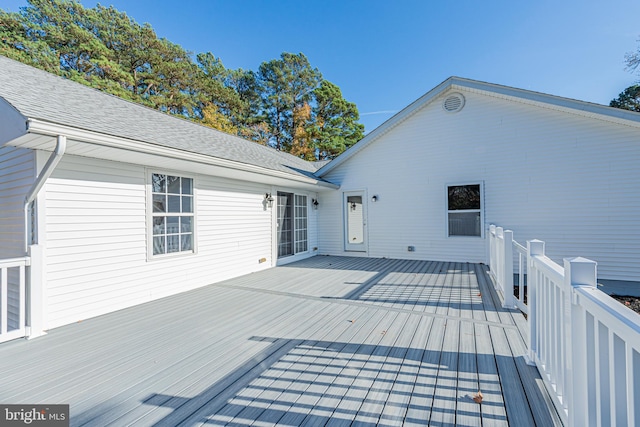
x=464, y=210
x=172, y=214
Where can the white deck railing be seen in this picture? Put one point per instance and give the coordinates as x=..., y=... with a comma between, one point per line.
x=503, y=264
x=520, y=258
x=585, y=344
x=13, y=304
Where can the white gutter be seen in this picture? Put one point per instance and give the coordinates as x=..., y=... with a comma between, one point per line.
x=46, y=172
x=52, y=129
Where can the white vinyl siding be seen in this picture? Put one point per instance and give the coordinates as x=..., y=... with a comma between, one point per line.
x=97, y=238
x=17, y=174
x=562, y=178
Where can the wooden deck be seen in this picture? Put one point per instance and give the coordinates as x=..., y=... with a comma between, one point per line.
x=325, y=341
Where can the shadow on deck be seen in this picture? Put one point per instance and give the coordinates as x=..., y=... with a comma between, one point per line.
x=324, y=341
x=295, y=382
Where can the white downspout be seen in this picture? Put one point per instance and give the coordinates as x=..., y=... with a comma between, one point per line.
x=37, y=280
x=46, y=172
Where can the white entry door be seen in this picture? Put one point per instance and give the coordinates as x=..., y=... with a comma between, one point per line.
x=355, y=221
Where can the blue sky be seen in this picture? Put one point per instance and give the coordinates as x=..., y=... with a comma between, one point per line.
x=386, y=54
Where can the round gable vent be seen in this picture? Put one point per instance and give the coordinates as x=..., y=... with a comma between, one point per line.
x=453, y=103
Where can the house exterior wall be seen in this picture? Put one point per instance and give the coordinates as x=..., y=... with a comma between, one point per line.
x=563, y=178
x=17, y=174
x=96, y=238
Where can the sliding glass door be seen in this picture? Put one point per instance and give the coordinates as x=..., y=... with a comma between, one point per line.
x=292, y=224
x=285, y=224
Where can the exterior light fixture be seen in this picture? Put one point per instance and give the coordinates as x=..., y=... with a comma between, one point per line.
x=374, y=198
x=268, y=199
x=315, y=203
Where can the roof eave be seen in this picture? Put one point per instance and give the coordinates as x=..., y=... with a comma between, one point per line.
x=36, y=126
x=574, y=106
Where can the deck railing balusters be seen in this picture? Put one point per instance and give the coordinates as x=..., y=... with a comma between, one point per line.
x=13, y=303
x=572, y=325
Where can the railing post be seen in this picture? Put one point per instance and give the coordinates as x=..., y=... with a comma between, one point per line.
x=35, y=293
x=577, y=272
x=499, y=258
x=507, y=282
x=534, y=248
x=492, y=249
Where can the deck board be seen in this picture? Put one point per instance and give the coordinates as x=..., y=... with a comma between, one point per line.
x=396, y=405
x=443, y=411
x=422, y=396
x=179, y=388
x=380, y=393
x=323, y=341
x=315, y=367
x=467, y=410
x=515, y=399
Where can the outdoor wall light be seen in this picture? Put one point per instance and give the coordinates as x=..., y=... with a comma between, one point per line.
x=315, y=203
x=374, y=198
x=268, y=199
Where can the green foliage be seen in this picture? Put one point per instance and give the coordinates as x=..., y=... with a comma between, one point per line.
x=285, y=104
x=308, y=115
x=629, y=99
x=16, y=43
x=285, y=85
x=214, y=89
x=336, y=121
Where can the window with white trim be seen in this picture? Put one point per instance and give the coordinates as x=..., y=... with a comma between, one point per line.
x=464, y=210
x=172, y=214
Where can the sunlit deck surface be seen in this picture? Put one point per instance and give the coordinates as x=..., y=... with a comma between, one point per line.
x=324, y=341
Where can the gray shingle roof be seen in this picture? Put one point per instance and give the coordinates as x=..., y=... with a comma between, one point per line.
x=44, y=96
